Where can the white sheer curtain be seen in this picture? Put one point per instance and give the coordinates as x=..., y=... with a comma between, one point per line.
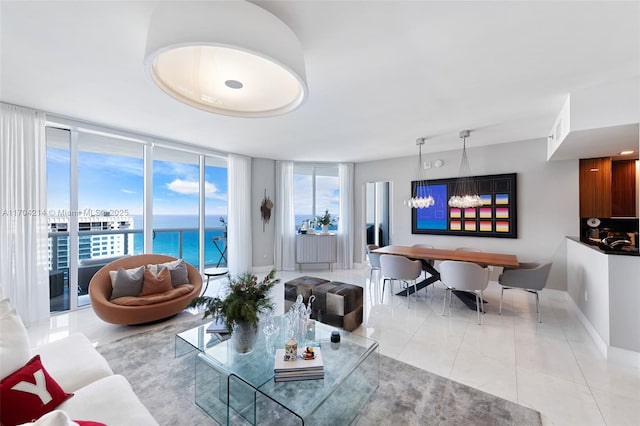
x=285, y=232
x=345, y=224
x=23, y=220
x=239, y=228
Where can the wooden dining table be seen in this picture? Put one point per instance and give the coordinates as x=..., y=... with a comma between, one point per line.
x=423, y=253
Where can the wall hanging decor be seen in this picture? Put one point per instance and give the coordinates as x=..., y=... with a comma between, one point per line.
x=265, y=209
x=495, y=217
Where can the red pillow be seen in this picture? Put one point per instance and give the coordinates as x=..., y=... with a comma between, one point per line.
x=28, y=393
x=154, y=284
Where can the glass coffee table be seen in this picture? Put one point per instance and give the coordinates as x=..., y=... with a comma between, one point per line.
x=237, y=388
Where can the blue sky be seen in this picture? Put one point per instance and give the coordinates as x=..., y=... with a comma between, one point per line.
x=116, y=182
x=112, y=182
x=327, y=195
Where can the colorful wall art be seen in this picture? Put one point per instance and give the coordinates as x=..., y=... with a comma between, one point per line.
x=495, y=218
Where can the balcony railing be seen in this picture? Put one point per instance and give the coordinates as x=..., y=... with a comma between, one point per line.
x=182, y=243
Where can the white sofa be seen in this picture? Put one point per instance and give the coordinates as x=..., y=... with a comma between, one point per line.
x=73, y=362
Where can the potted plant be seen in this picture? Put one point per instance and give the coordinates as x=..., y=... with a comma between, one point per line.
x=326, y=220
x=245, y=301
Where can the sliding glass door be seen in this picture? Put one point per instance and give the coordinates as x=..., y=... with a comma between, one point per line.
x=97, y=199
x=110, y=201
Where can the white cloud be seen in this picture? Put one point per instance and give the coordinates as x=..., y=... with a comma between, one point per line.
x=127, y=191
x=190, y=187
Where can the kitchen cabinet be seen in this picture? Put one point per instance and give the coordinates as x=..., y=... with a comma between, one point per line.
x=316, y=248
x=608, y=188
x=623, y=188
x=595, y=187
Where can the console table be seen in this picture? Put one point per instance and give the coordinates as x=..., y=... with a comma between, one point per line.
x=316, y=248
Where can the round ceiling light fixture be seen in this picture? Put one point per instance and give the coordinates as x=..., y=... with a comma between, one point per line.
x=232, y=58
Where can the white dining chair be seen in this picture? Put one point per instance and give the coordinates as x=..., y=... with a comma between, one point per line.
x=374, y=265
x=529, y=276
x=475, y=250
x=464, y=276
x=399, y=268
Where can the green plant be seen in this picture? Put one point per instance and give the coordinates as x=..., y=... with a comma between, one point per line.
x=246, y=299
x=326, y=219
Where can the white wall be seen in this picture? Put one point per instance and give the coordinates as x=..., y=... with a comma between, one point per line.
x=547, y=201
x=588, y=285
x=624, y=297
x=262, y=178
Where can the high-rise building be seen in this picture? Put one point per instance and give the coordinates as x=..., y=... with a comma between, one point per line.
x=102, y=239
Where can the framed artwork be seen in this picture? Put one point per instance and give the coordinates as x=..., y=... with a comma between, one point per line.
x=497, y=217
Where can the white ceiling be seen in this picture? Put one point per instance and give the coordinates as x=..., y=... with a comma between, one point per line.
x=380, y=73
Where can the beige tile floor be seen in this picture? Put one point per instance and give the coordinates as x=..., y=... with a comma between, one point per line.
x=553, y=367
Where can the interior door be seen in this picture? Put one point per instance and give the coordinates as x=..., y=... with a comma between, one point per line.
x=377, y=216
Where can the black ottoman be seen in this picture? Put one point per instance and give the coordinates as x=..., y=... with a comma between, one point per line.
x=338, y=304
x=303, y=286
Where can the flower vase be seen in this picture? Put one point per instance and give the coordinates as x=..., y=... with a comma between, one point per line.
x=244, y=337
x=325, y=229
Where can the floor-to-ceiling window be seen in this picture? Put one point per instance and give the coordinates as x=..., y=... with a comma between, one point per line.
x=316, y=189
x=176, y=192
x=110, y=202
x=96, y=203
x=215, y=210
x=58, y=204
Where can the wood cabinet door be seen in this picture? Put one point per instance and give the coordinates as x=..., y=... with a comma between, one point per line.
x=623, y=188
x=595, y=187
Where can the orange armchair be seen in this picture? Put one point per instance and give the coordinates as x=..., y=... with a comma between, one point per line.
x=100, y=292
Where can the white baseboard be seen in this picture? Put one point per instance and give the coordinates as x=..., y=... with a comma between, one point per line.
x=624, y=357
x=611, y=353
x=600, y=344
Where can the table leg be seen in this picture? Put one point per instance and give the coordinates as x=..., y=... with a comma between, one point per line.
x=435, y=276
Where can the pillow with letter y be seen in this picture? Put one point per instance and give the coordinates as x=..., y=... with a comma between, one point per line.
x=28, y=393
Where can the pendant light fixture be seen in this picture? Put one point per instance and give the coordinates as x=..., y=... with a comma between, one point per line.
x=421, y=197
x=465, y=193
x=225, y=57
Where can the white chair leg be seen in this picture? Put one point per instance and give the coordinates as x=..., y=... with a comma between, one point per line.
x=452, y=300
x=444, y=301
x=501, y=295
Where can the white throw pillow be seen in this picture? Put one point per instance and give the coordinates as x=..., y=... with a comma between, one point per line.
x=14, y=340
x=53, y=418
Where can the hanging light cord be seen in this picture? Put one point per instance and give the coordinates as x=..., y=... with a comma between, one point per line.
x=465, y=191
x=421, y=186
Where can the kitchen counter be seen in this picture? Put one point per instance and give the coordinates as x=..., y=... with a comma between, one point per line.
x=624, y=251
x=605, y=292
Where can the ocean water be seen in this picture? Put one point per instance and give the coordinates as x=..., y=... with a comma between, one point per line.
x=168, y=242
